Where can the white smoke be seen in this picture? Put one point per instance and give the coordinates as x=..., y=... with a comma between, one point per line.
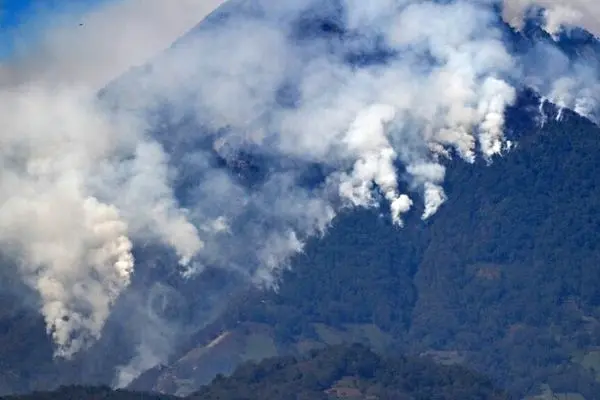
x=430, y=176
x=496, y=95
x=360, y=117
x=558, y=14
x=72, y=247
x=571, y=92
x=76, y=184
x=362, y=123
x=569, y=82
x=367, y=139
x=146, y=197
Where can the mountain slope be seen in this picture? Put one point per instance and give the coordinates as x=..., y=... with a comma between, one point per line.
x=527, y=287
x=89, y=393
x=365, y=273
x=504, y=279
x=338, y=372
x=348, y=372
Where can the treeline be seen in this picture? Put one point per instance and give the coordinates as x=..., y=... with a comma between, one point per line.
x=334, y=372
x=348, y=372
x=506, y=274
x=89, y=393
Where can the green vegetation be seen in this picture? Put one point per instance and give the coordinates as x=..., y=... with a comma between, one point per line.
x=89, y=393
x=349, y=372
x=504, y=279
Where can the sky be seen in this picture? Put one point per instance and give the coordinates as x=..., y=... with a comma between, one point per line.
x=89, y=42
x=24, y=18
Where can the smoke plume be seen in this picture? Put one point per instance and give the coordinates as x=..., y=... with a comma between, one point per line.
x=558, y=14
x=240, y=141
x=76, y=184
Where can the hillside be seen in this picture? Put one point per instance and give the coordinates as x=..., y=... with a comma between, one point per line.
x=504, y=279
x=338, y=372
x=348, y=372
x=88, y=393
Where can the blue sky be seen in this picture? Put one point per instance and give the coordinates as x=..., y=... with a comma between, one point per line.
x=23, y=18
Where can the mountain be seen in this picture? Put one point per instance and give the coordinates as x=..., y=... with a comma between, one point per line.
x=503, y=279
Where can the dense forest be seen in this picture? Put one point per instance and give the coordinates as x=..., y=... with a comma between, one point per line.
x=504, y=279
x=349, y=372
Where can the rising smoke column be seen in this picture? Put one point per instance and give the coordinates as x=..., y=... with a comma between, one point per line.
x=77, y=184
x=73, y=248
x=73, y=243
x=569, y=81
x=375, y=162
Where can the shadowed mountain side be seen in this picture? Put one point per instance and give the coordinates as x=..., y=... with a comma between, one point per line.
x=352, y=372
x=89, y=393
x=338, y=372
x=503, y=279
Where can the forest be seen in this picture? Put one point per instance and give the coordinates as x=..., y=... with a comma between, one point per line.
x=336, y=372
x=503, y=280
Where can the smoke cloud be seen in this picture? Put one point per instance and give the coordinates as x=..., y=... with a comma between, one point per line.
x=558, y=14
x=564, y=71
x=76, y=184
x=239, y=142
